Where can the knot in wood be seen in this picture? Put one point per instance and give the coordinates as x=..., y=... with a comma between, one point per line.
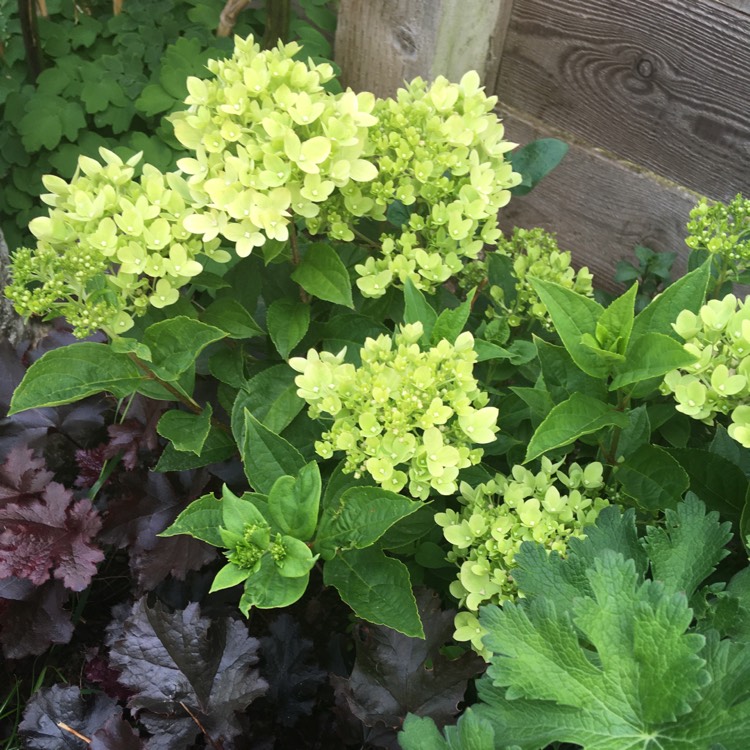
x=644, y=67
x=405, y=40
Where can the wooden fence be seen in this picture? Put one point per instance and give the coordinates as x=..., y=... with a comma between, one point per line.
x=652, y=95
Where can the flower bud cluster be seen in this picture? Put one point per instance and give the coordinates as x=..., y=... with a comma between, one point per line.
x=535, y=253
x=722, y=230
x=269, y=142
x=440, y=152
x=404, y=415
x=718, y=382
x=549, y=508
x=110, y=246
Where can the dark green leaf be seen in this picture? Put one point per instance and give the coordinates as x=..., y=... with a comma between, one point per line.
x=230, y=316
x=287, y=321
x=418, y=310
x=186, y=431
x=653, y=478
x=323, y=274
x=73, y=372
x=535, y=161
x=376, y=587
x=201, y=519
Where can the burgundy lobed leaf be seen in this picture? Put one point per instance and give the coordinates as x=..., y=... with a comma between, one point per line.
x=32, y=618
x=49, y=707
x=90, y=463
x=98, y=672
x=48, y=536
x=22, y=475
x=177, y=660
x=394, y=675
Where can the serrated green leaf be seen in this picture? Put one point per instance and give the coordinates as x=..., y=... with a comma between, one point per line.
x=266, y=456
x=293, y=502
x=418, y=310
x=650, y=356
x=73, y=372
x=228, y=315
x=359, y=517
x=271, y=396
x=268, y=589
x=687, y=549
x=574, y=316
x=653, y=478
x=563, y=377
x=450, y=323
x=579, y=415
x=218, y=447
x=322, y=273
x=176, y=343
x=715, y=480
x=186, y=431
x=201, y=520
x=287, y=321
x=687, y=293
x=376, y=587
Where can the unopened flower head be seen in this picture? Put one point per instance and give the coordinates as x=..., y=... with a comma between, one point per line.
x=718, y=382
x=548, y=507
x=110, y=246
x=531, y=253
x=405, y=415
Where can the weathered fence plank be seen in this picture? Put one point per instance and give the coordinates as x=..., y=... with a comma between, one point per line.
x=743, y=5
x=599, y=208
x=382, y=43
x=664, y=84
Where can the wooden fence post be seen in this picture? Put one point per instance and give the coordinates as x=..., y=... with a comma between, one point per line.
x=382, y=43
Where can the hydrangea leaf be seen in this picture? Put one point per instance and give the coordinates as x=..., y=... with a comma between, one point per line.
x=266, y=456
x=230, y=316
x=574, y=316
x=322, y=273
x=176, y=343
x=201, y=519
x=359, y=516
x=451, y=322
x=650, y=356
x=72, y=373
x=267, y=588
x=535, y=161
x=418, y=310
x=271, y=397
x=186, y=431
x=218, y=447
x=293, y=502
x=687, y=293
x=719, y=483
x=287, y=321
x=653, y=478
x=562, y=376
x=376, y=587
x=579, y=415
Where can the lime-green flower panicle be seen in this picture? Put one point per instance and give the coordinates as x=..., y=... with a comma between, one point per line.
x=718, y=382
x=440, y=151
x=110, y=246
x=405, y=415
x=270, y=142
x=549, y=508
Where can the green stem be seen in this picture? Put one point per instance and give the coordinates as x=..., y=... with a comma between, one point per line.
x=366, y=239
x=194, y=406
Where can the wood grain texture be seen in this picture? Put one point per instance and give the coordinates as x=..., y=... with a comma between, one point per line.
x=382, y=43
x=599, y=208
x=664, y=84
x=743, y=5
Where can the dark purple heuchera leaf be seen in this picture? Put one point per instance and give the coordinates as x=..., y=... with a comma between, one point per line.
x=139, y=508
x=116, y=734
x=136, y=436
x=394, y=675
x=178, y=661
x=45, y=531
x=293, y=681
x=98, y=672
x=32, y=618
x=49, y=706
